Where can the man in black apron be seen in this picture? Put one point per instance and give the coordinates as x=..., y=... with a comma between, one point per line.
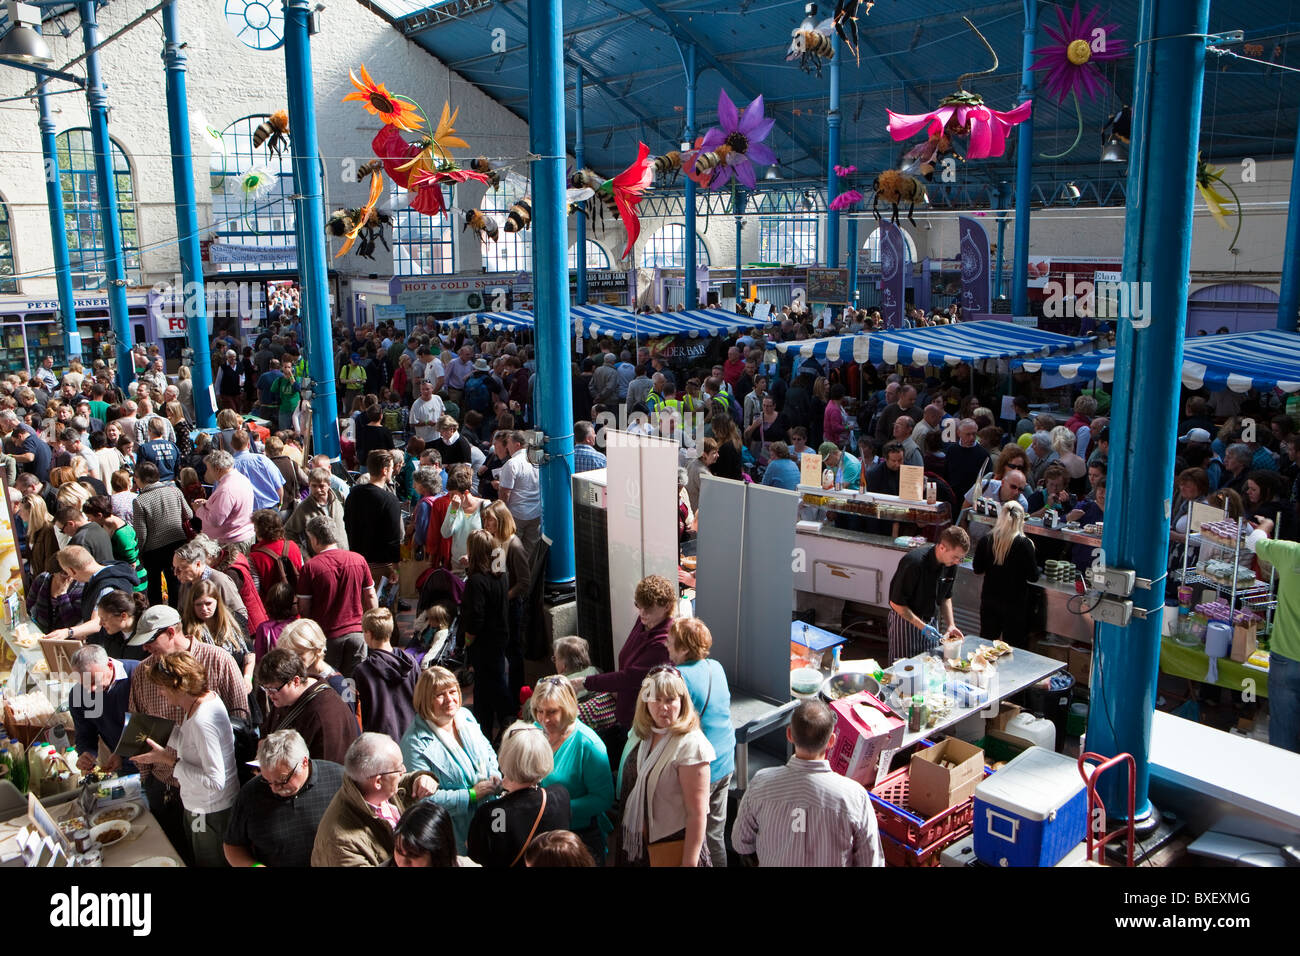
x=922, y=586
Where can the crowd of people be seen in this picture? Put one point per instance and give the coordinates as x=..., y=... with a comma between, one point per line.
x=247, y=590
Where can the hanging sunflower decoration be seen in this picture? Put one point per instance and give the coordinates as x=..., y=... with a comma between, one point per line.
x=1207, y=179
x=393, y=110
x=963, y=115
x=1071, y=61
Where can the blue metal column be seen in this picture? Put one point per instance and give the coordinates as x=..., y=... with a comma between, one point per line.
x=851, y=260
x=833, y=157
x=579, y=151
x=1004, y=197
x=1170, y=69
x=106, y=188
x=692, y=287
x=1288, y=300
x=740, y=233
x=310, y=215
x=187, y=221
x=58, y=228
x=1024, y=170
x=551, y=280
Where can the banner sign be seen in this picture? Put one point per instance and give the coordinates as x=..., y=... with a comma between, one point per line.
x=892, y=279
x=219, y=252
x=828, y=285
x=975, y=279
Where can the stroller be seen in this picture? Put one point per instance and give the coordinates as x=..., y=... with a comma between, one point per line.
x=440, y=586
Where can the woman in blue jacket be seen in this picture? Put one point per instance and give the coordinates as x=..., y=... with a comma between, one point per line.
x=445, y=740
x=689, y=643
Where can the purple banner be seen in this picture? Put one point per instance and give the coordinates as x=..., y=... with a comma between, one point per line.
x=893, y=280
x=976, y=282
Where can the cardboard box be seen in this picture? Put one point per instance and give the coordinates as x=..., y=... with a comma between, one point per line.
x=864, y=729
x=1080, y=663
x=1054, y=647
x=1243, y=642
x=935, y=788
x=1006, y=712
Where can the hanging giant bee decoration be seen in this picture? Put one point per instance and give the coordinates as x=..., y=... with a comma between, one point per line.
x=520, y=216
x=669, y=165
x=483, y=226
x=366, y=223
x=896, y=188
x=274, y=131
x=812, y=46
x=481, y=165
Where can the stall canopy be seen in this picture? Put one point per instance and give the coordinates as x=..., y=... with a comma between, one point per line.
x=1264, y=360
x=962, y=343
x=597, y=320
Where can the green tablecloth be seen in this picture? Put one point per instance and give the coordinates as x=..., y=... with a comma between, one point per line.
x=1192, y=662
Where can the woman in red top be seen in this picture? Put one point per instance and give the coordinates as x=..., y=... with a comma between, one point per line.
x=401, y=383
x=1085, y=406
x=646, y=647
x=272, y=551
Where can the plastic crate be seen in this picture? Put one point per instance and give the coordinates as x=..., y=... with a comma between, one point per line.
x=900, y=854
x=998, y=750
x=889, y=797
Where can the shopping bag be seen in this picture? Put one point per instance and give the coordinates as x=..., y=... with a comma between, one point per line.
x=408, y=577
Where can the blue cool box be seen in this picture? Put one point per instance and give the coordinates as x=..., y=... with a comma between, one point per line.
x=1032, y=812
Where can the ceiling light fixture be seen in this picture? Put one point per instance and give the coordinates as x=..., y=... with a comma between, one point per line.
x=24, y=43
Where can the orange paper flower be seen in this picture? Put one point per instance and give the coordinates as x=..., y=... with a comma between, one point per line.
x=393, y=110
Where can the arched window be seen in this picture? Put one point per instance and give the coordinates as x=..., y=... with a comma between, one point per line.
x=76, y=154
x=512, y=251
x=7, y=281
x=267, y=222
x=422, y=245
x=789, y=241
x=666, y=249
x=871, y=251
x=597, y=257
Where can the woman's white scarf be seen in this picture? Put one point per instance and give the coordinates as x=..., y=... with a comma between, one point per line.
x=653, y=758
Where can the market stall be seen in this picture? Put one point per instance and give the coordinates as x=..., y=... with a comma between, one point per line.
x=1262, y=360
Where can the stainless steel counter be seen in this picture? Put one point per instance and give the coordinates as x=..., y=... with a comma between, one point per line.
x=1035, y=527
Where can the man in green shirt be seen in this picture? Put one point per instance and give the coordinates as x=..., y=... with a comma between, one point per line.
x=286, y=393
x=1284, y=645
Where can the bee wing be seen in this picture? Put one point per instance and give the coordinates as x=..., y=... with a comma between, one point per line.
x=515, y=180
x=579, y=195
x=826, y=27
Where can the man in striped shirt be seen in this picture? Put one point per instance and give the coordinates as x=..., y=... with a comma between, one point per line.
x=805, y=814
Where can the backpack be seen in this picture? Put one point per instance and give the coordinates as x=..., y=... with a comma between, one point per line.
x=477, y=396
x=288, y=572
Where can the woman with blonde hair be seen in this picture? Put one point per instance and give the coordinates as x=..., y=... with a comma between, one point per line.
x=1007, y=559
x=1063, y=443
x=664, y=779
x=307, y=641
x=42, y=540
x=503, y=828
x=581, y=762
x=689, y=643
x=500, y=523
x=206, y=618
x=445, y=740
x=185, y=392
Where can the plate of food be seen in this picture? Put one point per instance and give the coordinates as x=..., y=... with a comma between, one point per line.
x=107, y=834
x=157, y=861
x=123, y=811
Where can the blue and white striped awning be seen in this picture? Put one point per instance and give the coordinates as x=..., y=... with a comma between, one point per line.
x=597, y=320
x=1263, y=360
x=962, y=343
x=494, y=321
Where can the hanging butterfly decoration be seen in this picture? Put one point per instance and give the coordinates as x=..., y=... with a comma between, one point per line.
x=1071, y=61
x=733, y=147
x=251, y=185
x=1207, y=179
x=964, y=117
x=421, y=168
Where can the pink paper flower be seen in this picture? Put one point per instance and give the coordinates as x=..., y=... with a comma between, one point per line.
x=846, y=200
x=963, y=114
x=843, y=171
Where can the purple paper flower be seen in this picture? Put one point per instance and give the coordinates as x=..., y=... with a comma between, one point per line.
x=743, y=136
x=846, y=200
x=1071, y=61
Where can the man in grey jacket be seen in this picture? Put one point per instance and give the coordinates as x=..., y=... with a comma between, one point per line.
x=322, y=500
